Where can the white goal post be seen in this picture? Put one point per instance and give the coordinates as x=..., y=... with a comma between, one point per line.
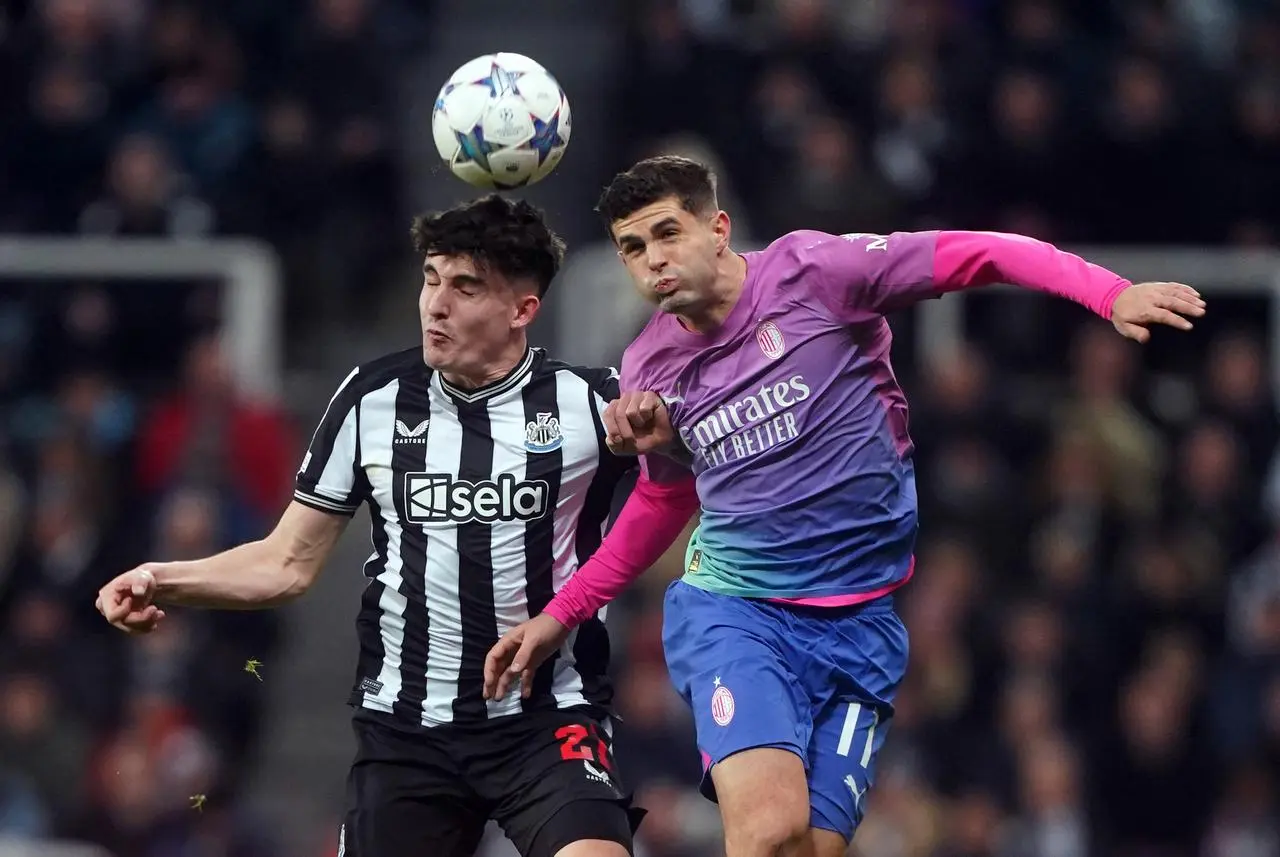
x=10, y=847
x=253, y=289
x=1255, y=273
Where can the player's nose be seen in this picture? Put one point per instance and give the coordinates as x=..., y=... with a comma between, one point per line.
x=435, y=303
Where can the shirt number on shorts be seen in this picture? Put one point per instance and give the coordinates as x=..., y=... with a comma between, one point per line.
x=571, y=740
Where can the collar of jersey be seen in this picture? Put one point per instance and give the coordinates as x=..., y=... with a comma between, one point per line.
x=493, y=388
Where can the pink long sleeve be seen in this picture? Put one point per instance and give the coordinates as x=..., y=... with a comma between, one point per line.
x=964, y=260
x=649, y=523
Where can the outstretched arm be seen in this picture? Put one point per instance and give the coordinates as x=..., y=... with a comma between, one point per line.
x=963, y=260
x=270, y=571
x=256, y=575
x=864, y=276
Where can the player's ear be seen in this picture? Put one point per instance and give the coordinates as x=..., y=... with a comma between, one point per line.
x=525, y=309
x=722, y=228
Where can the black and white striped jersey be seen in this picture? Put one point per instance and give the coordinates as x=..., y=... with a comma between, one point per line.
x=483, y=503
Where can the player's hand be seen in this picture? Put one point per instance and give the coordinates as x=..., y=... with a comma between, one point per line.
x=637, y=423
x=127, y=602
x=1144, y=304
x=519, y=654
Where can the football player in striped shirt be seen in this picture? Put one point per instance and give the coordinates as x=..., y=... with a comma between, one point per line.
x=484, y=467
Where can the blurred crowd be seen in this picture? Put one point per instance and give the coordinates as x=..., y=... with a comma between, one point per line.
x=122, y=435
x=104, y=738
x=1096, y=618
x=194, y=118
x=1129, y=121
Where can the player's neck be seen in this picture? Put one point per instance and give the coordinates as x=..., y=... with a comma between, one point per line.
x=731, y=274
x=496, y=370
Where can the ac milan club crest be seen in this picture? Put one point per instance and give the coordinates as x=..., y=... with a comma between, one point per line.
x=770, y=340
x=722, y=705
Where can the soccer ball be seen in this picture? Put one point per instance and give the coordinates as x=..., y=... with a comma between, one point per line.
x=501, y=121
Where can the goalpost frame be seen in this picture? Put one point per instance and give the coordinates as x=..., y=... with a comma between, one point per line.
x=940, y=323
x=252, y=305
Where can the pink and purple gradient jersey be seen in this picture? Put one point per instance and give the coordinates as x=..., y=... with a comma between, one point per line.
x=796, y=424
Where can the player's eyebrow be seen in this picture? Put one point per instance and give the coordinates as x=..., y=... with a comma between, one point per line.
x=462, y=279
x=630, y=239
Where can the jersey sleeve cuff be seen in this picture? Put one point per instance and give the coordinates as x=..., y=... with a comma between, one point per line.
x=323, y=504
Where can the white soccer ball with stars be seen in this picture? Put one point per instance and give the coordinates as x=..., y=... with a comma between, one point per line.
x=501, y=122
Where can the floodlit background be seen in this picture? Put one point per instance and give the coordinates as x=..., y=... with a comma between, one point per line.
x=205, y=207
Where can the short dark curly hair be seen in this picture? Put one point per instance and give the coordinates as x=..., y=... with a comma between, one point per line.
x=652, y=179
x=509, y=236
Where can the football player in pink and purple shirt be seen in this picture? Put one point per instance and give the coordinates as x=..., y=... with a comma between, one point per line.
x=762, y=391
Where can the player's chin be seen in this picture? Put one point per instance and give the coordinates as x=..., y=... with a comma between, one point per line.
x=675, y=302
x=438, y=356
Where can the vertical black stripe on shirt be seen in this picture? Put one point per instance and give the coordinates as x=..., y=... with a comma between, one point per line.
x=475, y=567
x=540, y=397
x=408, y=455
x=591, y=648
x=335, y=415
x=326, y=434
x=368, y=631
x=591, y=653
x=598, y=503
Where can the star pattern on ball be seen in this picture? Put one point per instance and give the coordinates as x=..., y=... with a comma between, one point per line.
x=501, y=85
x=502, y=81
x=473, y=147
x=546, y=137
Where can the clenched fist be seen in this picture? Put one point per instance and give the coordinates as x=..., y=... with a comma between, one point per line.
x=127, y=602
x=637, y=423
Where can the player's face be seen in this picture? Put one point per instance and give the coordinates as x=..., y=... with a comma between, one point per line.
x=673, y=254
x=471, y=316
